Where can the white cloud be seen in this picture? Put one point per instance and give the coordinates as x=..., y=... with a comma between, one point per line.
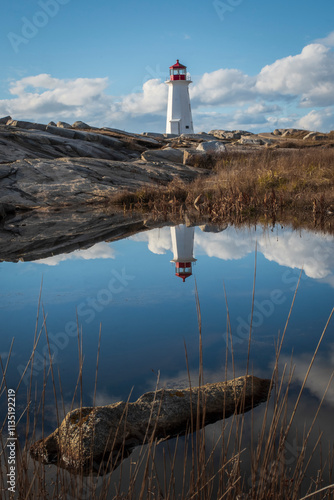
x=224, y=86
x=228, y=245
x=312, y=251
x=322, y=119
x=43, y=98
x=328, y=40
x=152, y=99
x=159, y=240
x=319, y=375
x=308, y=76
x=98, y=251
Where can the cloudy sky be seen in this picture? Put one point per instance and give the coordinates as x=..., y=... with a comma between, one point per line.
x=255, y=65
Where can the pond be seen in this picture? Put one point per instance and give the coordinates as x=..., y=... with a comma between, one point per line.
x=141, y=293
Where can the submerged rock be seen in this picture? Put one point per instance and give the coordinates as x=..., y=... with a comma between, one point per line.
x=90, y=437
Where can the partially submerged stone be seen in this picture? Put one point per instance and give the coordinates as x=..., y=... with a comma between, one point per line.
x=90, y=437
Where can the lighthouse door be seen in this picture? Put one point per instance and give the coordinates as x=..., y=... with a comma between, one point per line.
x=175, y=127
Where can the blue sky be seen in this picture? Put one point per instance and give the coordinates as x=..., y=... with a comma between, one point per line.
x=255, y=65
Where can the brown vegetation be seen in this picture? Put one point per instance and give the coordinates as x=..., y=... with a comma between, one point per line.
x=271, y=184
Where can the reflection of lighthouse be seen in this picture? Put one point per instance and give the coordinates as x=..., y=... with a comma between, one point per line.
x=183, y=248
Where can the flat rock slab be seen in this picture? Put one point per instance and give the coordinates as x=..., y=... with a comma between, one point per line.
x=90, y=437
x=31, y=184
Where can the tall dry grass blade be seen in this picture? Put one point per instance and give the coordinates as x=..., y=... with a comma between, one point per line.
x=192, y=428
x=4, y=370
x=51, y=367
x=329, y=487
x=252, y=310
x=32, y=360
x=288, y=319
x=228, y=332
x=199, y=321
x=97, y=364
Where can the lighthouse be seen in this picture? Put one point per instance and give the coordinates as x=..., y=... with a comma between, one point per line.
x=179, y=120
x=183, y=249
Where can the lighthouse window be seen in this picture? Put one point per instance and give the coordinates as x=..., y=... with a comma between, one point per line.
x=187, y=126
x=184, y=270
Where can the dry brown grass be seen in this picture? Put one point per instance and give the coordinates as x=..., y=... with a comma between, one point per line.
x=271, y=184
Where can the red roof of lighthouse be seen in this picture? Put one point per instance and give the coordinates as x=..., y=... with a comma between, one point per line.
x=177, y=65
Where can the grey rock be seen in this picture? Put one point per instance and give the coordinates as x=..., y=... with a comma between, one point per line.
x=198, y=137
x=220, y=134
x=153, y=134
x=166, y=154
x=211, y=147
x=26, y=125
x=63, y=125
x=213, y=228
x=290, y=131
x=192, y=156
x=229, y=134
x=81, y=125
x=5, y=119
x=315, y=136
x=93, y=435
x=62, y=131
x=170, y=136
x=253, y=141
x=52, y=124
x=118, y=131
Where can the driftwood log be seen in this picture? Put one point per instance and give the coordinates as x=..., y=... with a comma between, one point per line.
x=92, y=436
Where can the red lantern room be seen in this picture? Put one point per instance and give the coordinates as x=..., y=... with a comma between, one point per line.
x=178, y=71
x=183, y=270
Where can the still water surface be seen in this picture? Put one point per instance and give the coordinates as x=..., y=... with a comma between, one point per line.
x=147, y=313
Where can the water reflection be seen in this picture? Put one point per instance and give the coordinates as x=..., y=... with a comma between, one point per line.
x=145, y=324
x=311, y=251
x=182, y=237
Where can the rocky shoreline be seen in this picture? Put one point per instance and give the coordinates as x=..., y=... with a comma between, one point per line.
x=57, y=181
x=59, y=165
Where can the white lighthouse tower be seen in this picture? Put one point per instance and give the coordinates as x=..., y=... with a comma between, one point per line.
x=179, y=120
x=183, y=249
